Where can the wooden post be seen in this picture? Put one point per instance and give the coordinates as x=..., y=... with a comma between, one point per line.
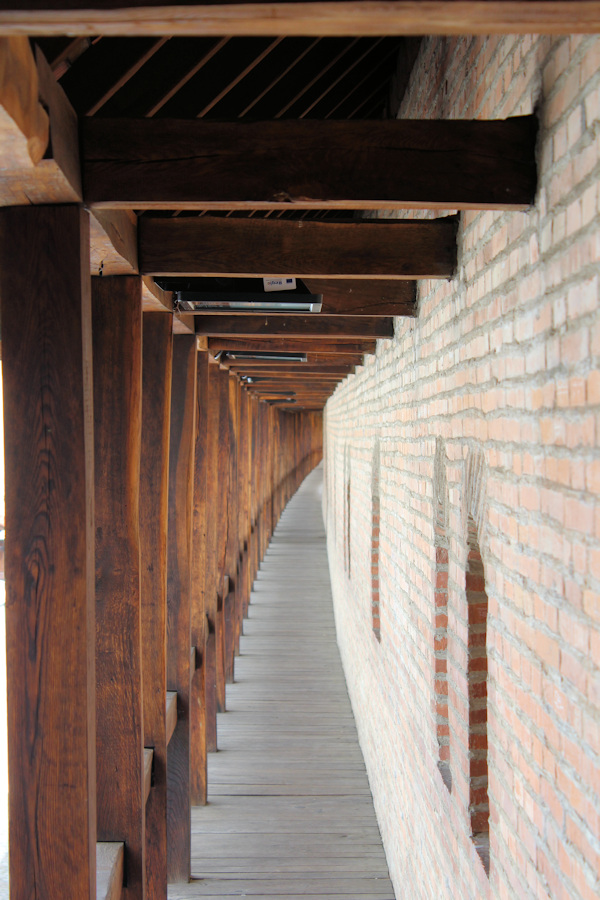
x=179, y=674
x=200, y=628
x=231, y=564
x=47, y=365
x=210, y=590
x=154, y=492
x=117, y=346
x=222, y=513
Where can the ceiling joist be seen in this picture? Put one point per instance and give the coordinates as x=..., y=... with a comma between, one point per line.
x=384, y=249
x=400, y=164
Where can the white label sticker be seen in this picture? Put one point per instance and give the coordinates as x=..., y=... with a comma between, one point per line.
x=279, y=284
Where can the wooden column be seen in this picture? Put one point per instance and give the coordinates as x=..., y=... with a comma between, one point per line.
x=222, y=513
x=210, y=595
x=50, y=631
x=200, y=629
x=154, y=492
x=179, y=671
x=231, y=563
x=117, y=346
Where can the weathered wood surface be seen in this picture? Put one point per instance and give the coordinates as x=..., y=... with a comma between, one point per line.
x=369, y=248
x=179, y=674
x=290, y=812
x=210, y=595
x=319, y=18
x=292, y=344
x=154, y=486
x=317, y=326
x=199, y=629
x=395, y=163
x=117, y=348
x=50, y=617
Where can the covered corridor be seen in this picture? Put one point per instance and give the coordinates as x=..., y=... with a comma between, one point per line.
x=290, y=812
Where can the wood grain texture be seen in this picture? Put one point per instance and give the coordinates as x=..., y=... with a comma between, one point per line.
x=154, y=492
x=117, y=347
x=320, y=18
x=317, y=326
x=293, y=344
x=50, y=616
x=374, y=248
x=360, y=297
x=181, y=483
x=40, y=143
x=395, y=163
x=113, y=242
x=24, y=124
x=231, y=563
x=198, y=784
x=221, y=524
x=210, y=591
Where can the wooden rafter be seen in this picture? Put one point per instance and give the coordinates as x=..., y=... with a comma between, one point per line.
x=154, y=164
x=387, y=249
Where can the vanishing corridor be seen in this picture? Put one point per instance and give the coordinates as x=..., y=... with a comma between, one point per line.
x=290, y=812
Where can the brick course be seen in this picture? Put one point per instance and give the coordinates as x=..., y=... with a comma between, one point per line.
x=498, y=377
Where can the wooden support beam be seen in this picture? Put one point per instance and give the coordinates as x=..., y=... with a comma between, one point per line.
x=198, y=612
x=360, y=297
x=50, y=613
x=179, y=674
x=113, y=242
x=154, y=487
x=222, y=516
x=210, y=590
x=117, y=348
x=319, y=18
x=394, y=163
x=260, y=373
x=316, y=326
x=337, y=345
x=373, y=248
x=231, y=558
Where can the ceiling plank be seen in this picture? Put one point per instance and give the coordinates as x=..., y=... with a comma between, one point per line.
x=401, y=164
x=317, y=326
x=323, y=17
x=366, y=249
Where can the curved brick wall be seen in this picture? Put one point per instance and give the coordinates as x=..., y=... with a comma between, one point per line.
x=500, y=372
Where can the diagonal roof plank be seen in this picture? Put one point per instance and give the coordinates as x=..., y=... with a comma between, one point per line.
x=319, y=17
x=309, y=164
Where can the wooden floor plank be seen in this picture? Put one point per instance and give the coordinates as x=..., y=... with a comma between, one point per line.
x=290, y=813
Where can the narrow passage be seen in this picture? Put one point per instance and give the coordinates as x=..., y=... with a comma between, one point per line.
x=290, y=812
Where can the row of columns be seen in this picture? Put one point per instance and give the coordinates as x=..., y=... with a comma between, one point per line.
x=142, y=486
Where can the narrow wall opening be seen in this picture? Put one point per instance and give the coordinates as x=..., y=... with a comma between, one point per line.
x=477, y=606
x=440, y=630
x=375, y=618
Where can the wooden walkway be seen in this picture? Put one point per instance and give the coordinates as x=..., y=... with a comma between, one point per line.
x=290, y=812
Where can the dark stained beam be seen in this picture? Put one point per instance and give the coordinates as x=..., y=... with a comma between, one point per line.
x=300, y=369
x=157, y=346
x=396, y=163
x=50, y=611
x=179, y=584
x=360, y=297
x=323, y=17
x=241, y=367
x=339, y=345
x=408, y=249
x=316, y=326
x=117, y=347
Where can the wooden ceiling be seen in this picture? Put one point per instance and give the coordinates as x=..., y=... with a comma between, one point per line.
x=236, y=158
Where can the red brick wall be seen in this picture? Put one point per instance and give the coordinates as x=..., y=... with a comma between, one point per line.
x=500, y=373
